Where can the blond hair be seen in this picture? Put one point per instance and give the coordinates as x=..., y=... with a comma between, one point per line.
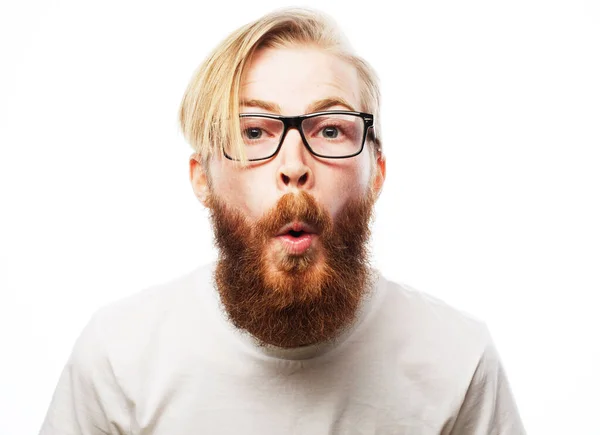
x=212, y=96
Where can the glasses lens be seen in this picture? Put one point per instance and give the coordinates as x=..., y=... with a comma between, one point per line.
x=334, y=135
x=260, y=136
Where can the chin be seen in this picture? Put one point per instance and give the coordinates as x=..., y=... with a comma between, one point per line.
x=282, y=262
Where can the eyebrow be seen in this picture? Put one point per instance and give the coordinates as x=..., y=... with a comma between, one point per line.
x=315, y=106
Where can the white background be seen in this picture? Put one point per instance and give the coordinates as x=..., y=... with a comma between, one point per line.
x=491, y=114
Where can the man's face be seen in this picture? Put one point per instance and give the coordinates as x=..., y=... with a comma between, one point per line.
x=294, y=79
x=267, y=275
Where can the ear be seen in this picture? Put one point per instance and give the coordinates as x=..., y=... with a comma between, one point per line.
x=199, y=179
x=379, y=175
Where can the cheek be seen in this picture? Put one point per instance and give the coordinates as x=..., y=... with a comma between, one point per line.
x=244, y=190
x=347, y=182
x=357, y=174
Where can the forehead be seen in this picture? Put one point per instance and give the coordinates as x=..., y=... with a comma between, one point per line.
x=295, y=77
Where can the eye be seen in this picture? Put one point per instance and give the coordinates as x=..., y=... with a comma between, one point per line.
x=330, y=132
x=253, y=132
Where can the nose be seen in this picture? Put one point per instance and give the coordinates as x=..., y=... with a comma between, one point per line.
x=294, y=171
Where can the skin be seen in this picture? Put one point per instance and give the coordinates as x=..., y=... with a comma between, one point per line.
x=293, y=78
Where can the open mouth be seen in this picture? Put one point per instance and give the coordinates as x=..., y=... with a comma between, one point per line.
x=296, y=229
x=296, y=238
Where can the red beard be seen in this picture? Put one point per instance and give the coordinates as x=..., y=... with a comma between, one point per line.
x=293, y=300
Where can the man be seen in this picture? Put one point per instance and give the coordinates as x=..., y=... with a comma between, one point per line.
x=290, y=331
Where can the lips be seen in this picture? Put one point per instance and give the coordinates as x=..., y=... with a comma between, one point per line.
x=296, y=229
x=296, y=237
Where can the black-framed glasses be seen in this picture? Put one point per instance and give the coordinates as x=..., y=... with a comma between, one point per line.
x=336, y=134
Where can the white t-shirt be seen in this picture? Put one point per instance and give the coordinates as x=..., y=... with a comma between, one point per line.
x=166, y=361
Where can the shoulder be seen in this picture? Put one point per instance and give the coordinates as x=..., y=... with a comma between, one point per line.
x=153, y=304
x=451, y=355
x=428, y=315
x=132, y=326
x=429, y=332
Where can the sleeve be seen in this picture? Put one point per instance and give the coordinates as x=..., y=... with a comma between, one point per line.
x=87, y=399
x=488, y=407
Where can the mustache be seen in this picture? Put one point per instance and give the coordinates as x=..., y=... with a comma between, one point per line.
x=292, y=207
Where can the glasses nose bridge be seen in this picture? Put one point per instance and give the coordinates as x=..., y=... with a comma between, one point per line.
x=293, y=122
